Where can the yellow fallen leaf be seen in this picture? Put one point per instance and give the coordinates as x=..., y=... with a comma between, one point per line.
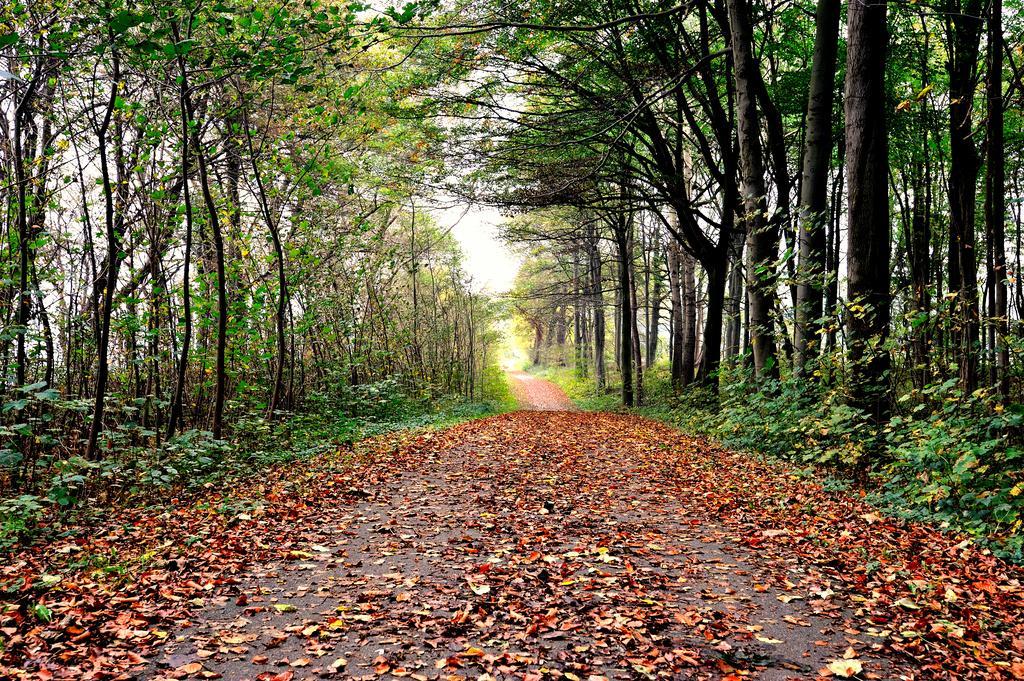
x=846, y=668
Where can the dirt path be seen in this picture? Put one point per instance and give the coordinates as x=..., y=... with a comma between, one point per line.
x=537, y=394
x=591, y=546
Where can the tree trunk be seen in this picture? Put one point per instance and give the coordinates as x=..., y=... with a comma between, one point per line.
x=814, y=186
x=735, y=298
x=178, y=401
x=995, y=198
x=112, y=222
x=637, y=347
x=213, y=218
x=597, y=284
x=625, y=337
x=867, y=161
x=689, y=302
x=918, y=246
x=277, y=390
x=538, y=341
x=675, y=296
x=762, y=236
x=963, y=36
x=655, y=307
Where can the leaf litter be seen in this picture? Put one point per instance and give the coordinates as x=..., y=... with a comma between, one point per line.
x=533, y=545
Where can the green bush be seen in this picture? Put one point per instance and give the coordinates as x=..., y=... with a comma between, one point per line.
x=134, y=464
x=18, y=517
x=952, y=458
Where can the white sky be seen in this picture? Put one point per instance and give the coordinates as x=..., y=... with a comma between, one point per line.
x=488, y=260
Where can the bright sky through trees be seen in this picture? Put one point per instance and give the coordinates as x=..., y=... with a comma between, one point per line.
x=489, y=260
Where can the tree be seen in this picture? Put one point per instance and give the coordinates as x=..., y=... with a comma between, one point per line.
x=814, y=186
x=762, y=235
x=867, y=163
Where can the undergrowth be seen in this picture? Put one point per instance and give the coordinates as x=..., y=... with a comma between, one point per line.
x=136, y=470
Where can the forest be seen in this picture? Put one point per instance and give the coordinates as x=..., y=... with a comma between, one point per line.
x=768, y=313
x=211, y=223
x=795, y=234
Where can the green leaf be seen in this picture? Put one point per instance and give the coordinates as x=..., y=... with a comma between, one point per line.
x=15, y=405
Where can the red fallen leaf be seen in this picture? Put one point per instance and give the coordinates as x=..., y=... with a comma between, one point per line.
x=608, y=468
x=135, y=658
x=242, y=600
x=689, y=618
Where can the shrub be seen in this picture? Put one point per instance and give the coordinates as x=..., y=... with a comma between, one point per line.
x=18, y=517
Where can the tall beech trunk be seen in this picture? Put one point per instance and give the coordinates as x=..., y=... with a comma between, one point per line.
x=654, y=305
x=597, y=303
x=277, y=392
x=963, y=27
x=625, y=336
x=814, y=186
x=995, y=199
x=919, y=255
x=688, y=281
x=867, y=163
x=735, y=297
x=178, y=401
x=762, y=234
x=638, y=356
x=112, y=221
x=673, y=252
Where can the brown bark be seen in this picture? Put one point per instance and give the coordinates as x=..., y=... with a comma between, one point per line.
x=762, y=234
x=963, y=29
x=995, y=200
x=814, y=186
x=867, y=159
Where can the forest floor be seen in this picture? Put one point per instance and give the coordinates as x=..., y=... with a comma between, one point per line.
x=531, y=545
